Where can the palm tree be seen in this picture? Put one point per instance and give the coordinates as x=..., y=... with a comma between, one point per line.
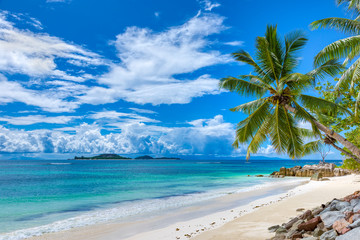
x=347, y=48
x=281, y=103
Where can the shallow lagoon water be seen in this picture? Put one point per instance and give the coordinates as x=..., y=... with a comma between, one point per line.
x=81, y=192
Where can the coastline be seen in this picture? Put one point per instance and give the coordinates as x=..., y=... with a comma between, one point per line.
x=131, y=226
x=246, y=221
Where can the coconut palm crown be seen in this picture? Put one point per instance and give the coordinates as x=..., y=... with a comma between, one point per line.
x=280, y=102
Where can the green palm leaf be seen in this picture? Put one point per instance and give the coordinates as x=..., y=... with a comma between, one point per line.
x=246, y=128
x=259, y=138
x=338, y=50
x=250, y=107
x=343, y=24
x=242, y=87
x=316, y=104
x=312, y=147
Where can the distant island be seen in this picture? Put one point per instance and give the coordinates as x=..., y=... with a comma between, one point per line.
x=115, y=157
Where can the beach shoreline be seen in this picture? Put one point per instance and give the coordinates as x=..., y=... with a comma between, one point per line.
x=130, y=227
x=244, y=221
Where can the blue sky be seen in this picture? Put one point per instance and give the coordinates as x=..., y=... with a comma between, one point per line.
x=134, y=77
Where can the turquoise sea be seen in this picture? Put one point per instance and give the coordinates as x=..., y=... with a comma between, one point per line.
x=38, y=196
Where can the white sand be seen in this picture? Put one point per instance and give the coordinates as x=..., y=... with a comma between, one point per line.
x=248, y=221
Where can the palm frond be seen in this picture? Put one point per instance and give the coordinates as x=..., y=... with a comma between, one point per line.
x=312, y=147
x=259, y=137
x=350, y=76
x=342, y=24
x=279, y=134
x=246, y=128
x=338, y=50
x=294, y=41
x=250, y=107
x=245, y=57
x=303, y=115
x=268, y=61
x=242, y=87
x=329, y=68
x=316, y=104
x=294, y=143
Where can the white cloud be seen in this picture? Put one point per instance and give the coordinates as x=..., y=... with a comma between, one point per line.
x=208, y=5
x=33, y=119
x=120, y=116
x=15, y=92
x=235, y=43
x=140, y=110
x=34, y=54
x=150, y=61
x=157, y=14
x=269, y=149
x=214, y=136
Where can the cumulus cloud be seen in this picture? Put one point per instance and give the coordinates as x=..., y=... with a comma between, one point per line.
x=151, y=62
x=211, y=136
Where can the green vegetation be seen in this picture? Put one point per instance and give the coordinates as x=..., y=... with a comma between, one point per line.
x=101, y=156
x=281, y=103
x=115, y=156
x=350, y=164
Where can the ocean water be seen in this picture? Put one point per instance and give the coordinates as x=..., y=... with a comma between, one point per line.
x=44, y=196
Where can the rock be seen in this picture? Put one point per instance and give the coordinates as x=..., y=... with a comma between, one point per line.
x=300, y=209
x=306, y=215
x=330, y=217
x=354, y=218
x=348, y=215
x=291, y=223
x=273, y=228
x=325, y=179
x=296, y=224
x=293, y=234
x=259, y=175
x=317, y=210
x=329, y=235
x=340, y=224
x=355, y=224
x=318, y=232
x=347, y=209
x=354, y=202
x=310, y=225
x=351, y=235
x=326, y=170
x=316, y=177
x=340, y=205
x=279, y=237
x=356, y=207
x=309, y=238
x=355, y=196
x=280, y=230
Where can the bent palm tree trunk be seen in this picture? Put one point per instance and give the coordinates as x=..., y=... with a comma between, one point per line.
x=352, y=148
x=345, y=152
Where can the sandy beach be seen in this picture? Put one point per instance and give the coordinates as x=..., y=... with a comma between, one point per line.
x=247, y=220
